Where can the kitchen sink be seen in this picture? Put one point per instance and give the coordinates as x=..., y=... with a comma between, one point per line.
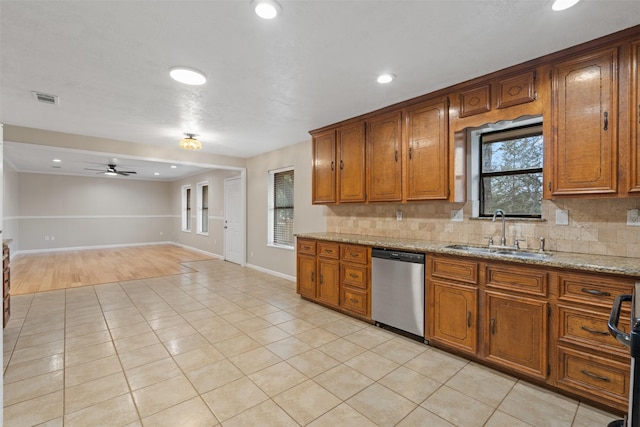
x=499, y=251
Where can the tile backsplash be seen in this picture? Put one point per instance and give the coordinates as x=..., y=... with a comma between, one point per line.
x=595, y=226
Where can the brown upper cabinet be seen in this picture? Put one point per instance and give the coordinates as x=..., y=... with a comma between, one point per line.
x=634, y=186
x=584, y=122
x=384, y=158
x=324, y=167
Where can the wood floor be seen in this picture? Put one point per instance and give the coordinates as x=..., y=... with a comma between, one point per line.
x=60, y=270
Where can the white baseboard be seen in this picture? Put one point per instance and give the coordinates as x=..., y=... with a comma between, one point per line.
x=271, y=272
x=87, y=248
x=211, y=254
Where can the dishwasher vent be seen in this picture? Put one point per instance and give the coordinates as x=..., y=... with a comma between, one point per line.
x=46, y=98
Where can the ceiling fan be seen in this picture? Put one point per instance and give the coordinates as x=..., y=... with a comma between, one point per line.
x=111, y=170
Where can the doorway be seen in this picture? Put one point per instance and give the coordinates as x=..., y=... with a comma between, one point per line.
x=234, y=220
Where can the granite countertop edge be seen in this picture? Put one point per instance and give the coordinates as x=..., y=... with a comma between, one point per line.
x=585, y=262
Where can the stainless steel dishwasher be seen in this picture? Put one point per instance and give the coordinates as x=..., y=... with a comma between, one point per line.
x=397, y=291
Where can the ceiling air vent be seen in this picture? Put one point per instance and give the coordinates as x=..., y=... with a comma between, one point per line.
x=45, y=98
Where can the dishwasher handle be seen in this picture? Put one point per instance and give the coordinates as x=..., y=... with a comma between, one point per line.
x=390, y=254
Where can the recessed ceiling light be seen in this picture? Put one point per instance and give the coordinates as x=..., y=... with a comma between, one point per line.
x=386, y=78
x=156, y=173
x=56, y=160
x=173, y=166
x=563, y=4
x=266, y=9
x=188, y=75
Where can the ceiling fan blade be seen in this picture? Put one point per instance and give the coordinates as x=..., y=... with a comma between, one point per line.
x=128, y=172
x=99, y=170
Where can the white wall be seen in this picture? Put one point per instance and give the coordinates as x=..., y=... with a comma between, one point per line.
x=213, y=242
x=10, y=205
x=57, y=211
x=307, y=218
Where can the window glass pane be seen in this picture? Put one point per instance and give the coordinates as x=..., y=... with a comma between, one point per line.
x=519, y=195
x=283, y=208
x=514, y=154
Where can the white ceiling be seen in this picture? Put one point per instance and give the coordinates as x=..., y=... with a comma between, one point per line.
x=269, y=82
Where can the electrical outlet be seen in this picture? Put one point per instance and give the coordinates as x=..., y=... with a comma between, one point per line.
x=562, y=217
x=633, y=217
x=457, y=215
x=398, y=215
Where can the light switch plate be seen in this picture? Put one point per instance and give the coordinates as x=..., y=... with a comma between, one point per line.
x=562, y=217
x=633, y=217
x=457, y=215
x=398, y=215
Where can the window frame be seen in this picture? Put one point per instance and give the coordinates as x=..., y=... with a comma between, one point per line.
x=272, y=210
x=186, y=208
x=511, y=133
x=202, y=208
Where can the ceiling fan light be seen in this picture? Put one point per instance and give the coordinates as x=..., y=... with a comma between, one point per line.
x=110, y=173
x=188, y=76
x=266, y=9
x=190, y=143
x=559, y=5
x=386, y=78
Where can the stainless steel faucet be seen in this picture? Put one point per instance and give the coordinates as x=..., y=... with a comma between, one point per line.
x=503, y=238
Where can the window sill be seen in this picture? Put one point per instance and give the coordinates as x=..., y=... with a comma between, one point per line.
x=202, y=234
x=288, y=248
x=488, y=218
x=186, y=230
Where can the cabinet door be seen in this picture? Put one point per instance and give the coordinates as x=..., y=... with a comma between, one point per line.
x=454, y=315
x=324, y=168
x=635, y=118
x=306, y=276
x=351, y=168
x=585, y=122
x=384, y=158
x=328, y=281
x=426, y=142
x=515, y=333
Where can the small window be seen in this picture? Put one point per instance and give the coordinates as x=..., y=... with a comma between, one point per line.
x=280, y=206
x=202, y=216
x=511, y=172
x=186, y=208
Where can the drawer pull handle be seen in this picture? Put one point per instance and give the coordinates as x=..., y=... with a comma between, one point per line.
x=468, y=319
x=313, y=276
x=355, y=255
x=353, y=300
x=493, y=326
x=353, y=275
x=596, y=376
x=594, y=331
x=321, y=279
x=596, y=292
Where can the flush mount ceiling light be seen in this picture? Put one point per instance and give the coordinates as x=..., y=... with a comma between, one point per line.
x=563, y=4
x=190, y=143
x=187, y=75
x=386, y=78
x=266, y=9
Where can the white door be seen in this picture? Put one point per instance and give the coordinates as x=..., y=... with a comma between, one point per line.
x=234, y=221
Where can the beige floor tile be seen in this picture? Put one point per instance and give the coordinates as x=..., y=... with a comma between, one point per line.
x=35, y=411
x=32, y=387
x=90, y=371
x=268, y=335
x=94, y=392
x=289, y=347
x=203, y=313
x=233, y=398
x=307, y=401
x=138, y=341
x=265, y=414
x=252, y=324
x=142, y=356
x=278, y=317
x=215, y=375
x=182, y=345
x=217, y=334
x=342, y=327
x=420, y=417
x=255, y=360
x=176, y=332
x=342, y=349
x=45, y=325
x=277, y=378
x=237, y=316
x=400, y=350
x=152, y=373
x=457, y=408
x=197, y=358
x=163, y=395
x=381, y=405
x=119, y=411
x=38, y=339
x=72, y=331
x=130, y=330
x=317, y=337
x=343, y=381
x=58, y=422
x=296, y=326
x=369, y=337
x=594, y=414
x=342, y=415
x=538, y=407
x=191, y=413
x=410, y=384
x=313, y=362
x=38, y=351
x=87, y=340
x=500, y=419
x=482, y=383
x=32, y=368
x=262, y=309
x=237, y=345
x=372, y=365
x=436, y=365
x=88, y=354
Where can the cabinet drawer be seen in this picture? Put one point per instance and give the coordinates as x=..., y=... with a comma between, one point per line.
x=455, y=269
x=6, y=281
x=515, y=90
x=593, y=289
x=355, y=301
x=355, y=275
x=589, y=328
x=6, y=310
x=475, y=101
x=598, y=376
x=306, y=247
x=352, y=253
x=328, y=250
x=519, y=279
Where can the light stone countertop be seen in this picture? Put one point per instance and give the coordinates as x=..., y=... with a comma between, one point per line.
x=575, y=261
